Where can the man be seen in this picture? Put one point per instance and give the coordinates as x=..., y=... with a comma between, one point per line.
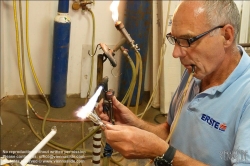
x=214, y=124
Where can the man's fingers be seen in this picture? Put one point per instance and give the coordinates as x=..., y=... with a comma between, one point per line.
x=113, y=127
x=119, y=106
x=114, y=133
x=104, y=117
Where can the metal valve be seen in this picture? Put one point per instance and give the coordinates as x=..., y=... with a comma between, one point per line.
x=76, y=5
x=82, y=3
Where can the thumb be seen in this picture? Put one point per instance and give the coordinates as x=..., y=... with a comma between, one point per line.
x=112, y=127
x=119, y=106
x=117, y=127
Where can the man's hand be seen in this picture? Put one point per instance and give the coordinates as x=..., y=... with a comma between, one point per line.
x=121, y=113
x=132, y=142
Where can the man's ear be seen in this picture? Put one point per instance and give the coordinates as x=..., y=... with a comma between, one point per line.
x=228, y=35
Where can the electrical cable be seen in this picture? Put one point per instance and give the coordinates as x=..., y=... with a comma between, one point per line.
x=23, y=60
x=133, y=80
x=138, y=55
x=155, y=118
x=85, y=138
x=135, y=72
x=92, y=51
x=18, y=46
x=115, y=162
x=177, y=116
x=156, y=85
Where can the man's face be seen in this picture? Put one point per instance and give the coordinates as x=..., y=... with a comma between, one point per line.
x=207, y=53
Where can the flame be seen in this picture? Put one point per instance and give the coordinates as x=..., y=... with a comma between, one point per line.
x=114, y=9
x=86, y=110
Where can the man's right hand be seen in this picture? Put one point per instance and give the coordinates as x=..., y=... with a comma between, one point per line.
x=122, y=115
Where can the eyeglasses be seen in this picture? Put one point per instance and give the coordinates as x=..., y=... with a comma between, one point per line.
x=187, y=42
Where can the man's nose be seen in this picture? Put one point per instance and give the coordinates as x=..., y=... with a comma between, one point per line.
x=178, y=51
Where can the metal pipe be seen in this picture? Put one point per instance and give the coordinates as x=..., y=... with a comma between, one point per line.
x=109, y=54
x=119, y=44
x=120, y=26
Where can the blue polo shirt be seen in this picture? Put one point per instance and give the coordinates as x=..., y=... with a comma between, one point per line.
x=214, y=125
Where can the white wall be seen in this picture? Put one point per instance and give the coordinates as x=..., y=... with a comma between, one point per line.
x=171, y=70
x=41, y=20
x=170, y=67
x=245, y=22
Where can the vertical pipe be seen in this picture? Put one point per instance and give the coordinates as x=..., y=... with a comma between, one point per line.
x=99, y=72
x=98, y=135
x=97, y=147
x=60, y=55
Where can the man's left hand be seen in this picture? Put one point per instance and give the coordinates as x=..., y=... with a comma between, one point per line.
x=133, y=142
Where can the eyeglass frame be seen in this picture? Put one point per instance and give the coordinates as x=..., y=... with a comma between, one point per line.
x=193, y=39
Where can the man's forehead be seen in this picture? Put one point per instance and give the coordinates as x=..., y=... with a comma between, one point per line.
x=189, y=16
x=191, y=8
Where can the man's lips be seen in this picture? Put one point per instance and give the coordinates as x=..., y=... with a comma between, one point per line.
x=188, y=66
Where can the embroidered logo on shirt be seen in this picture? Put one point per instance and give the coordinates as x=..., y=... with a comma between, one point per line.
x=213, y=123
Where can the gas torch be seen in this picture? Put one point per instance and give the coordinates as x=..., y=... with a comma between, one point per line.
x=120, y=27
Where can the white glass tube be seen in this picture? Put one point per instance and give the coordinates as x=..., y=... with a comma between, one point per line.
x=39, y=146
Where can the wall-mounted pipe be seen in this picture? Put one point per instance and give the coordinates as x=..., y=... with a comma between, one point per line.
x=62, y=26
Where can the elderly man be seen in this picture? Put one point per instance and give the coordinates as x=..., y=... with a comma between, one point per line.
x=214, y=123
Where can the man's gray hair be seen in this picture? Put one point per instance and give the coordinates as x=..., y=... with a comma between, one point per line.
x=222, y=12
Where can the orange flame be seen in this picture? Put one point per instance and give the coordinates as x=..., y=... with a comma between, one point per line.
x=114, y=9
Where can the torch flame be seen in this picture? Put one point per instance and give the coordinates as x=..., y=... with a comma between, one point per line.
x=114, y=9
x=86, y=110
